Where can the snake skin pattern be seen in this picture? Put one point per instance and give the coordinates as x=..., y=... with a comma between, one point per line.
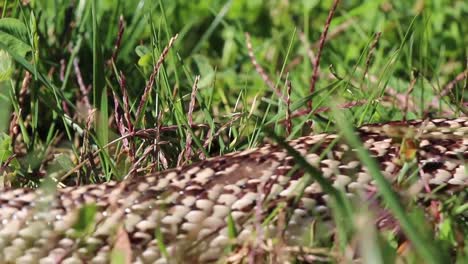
x=187, y=209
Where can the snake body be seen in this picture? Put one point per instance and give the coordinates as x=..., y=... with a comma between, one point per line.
x=186, y=213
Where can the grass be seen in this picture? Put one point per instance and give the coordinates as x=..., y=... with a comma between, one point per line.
x=205, y=79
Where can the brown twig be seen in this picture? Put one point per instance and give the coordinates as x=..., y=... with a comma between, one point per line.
x=85, y=153
x=334, y=33
x=156, y=150
x=393, y=93
x=14, y=128
x=151, y=133
x=447, y=88
x=370, y=54
x=288, y=106
x=136, y=164
x=63, y=66
x=326, y=109
x=126, y=113
x=7, y=162
x=210, y=137
x=84, y=90
x=24, y=88
x=316, y=65
x=118, y=41
x=119, y=120
x=260, y=70
x=193, y=97
x=126, y=104
x=407, y=95
x=155, y=72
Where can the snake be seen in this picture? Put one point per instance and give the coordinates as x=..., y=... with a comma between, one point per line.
x=197, y=212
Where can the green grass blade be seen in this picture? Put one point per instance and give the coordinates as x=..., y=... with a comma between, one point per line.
x=423, y=245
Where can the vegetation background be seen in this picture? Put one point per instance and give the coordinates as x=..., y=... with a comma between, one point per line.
x=193, y=79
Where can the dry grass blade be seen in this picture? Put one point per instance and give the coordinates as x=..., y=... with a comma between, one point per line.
x=153, y=75
x=260, y=70
x=407, y=96
x=193, y=98
x=447, y=89
x=370, y=54
x=83, y=89
x=316, y=64
x=288, y=105
x=118, y=41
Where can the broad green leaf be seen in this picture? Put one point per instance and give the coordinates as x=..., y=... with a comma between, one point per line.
x=60, y=165
x=141, y=50
x=86, y=219
x=5, y=147
x=145, y=60
x=14, y=34
x=122, y=248
x=207, y=72
x=6, y=66
x=6, y=151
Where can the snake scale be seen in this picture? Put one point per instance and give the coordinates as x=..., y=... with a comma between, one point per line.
x=185, y=211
